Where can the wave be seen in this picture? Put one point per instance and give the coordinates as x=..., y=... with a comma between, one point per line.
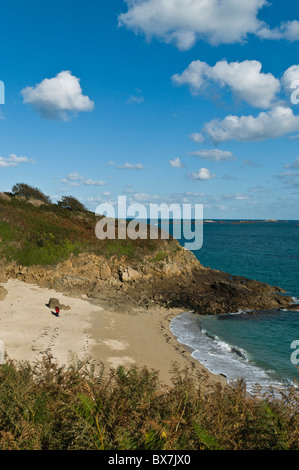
x=225, y=346
x=220, y=357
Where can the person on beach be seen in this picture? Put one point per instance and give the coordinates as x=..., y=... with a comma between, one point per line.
x=57, y=310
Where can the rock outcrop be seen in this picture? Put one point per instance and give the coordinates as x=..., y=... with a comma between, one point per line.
x=3, y=293
x=176, y=279
x=55, y=303
x=128, y=274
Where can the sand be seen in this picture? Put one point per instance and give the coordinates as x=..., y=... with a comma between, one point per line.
x=29, y=330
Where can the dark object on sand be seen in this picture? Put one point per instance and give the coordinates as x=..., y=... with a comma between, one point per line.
x=53, y=303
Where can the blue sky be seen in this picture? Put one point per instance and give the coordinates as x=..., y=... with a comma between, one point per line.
x=160, y=100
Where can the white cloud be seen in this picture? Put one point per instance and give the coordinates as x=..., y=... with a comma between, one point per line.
x=58, y=98
x=90, y=182
x=244, y=79
x=235, y=196
x=130, y=166
x=12, y=160
x=70, y=183
x=176, y=163
x=197, y=137
x=143, y=197
x=277, y=122
x=239, y=197
x=287, y=30
x=289, y=77
x=202, y=174
x=104, y=199
x=75, y=179
x=183, y=22
x=135, y=99
x=105, y=194
x=215, y=155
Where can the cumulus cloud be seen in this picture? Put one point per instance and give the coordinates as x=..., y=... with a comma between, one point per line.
x=183, y=22
x=277, y=122
x=75, y=179
x=244, y=79
x=215, y=155
x=176, y=163
x=290, y=79
x=12, y=160
x=58, y=98
x=202, y=174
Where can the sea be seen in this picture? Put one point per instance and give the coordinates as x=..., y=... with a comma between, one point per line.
x=260, y=348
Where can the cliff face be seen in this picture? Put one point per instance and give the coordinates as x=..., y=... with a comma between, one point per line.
x=86, y=273
x=173, y=279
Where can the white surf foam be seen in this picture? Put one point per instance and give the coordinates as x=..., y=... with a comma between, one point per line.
x=220, y=357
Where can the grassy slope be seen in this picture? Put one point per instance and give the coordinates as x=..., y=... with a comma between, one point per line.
x=48, y=234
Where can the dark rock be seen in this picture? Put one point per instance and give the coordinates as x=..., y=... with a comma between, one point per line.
x=55, y=302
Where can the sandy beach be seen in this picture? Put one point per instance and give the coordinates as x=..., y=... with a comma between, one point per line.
x=29, y=329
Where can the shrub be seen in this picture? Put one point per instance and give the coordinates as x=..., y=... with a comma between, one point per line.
x=25, y=190
x=48, y=407
x=71, y=203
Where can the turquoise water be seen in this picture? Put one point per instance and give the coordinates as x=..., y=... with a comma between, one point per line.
x=242, y=345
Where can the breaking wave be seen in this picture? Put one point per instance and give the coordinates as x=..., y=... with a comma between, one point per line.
x=220, y=357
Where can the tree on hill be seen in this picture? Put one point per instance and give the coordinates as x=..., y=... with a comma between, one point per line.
x=71, y=203
x=25, y=190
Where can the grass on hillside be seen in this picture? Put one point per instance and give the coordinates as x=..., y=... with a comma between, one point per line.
x=48, y=234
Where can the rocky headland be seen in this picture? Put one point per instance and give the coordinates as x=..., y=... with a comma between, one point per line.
x=173, y=280
x=54, y=247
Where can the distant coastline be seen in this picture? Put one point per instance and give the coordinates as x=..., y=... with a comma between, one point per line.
x=230, y=221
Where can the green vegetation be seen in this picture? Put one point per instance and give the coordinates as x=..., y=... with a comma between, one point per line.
x=46, y=234
x=71, y=203
x=160, y=256
x=24, y=190
x=46, y=407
